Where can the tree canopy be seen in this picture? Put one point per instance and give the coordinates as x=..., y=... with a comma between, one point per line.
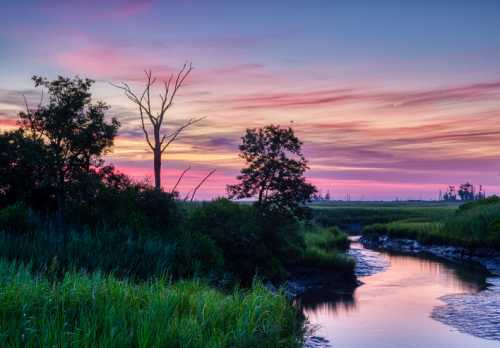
x=274, y=172
x=72, y=129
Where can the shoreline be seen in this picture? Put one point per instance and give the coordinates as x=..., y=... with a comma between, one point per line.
x=488, y=258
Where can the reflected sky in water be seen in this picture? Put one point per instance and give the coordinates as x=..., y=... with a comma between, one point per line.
x=392, y=309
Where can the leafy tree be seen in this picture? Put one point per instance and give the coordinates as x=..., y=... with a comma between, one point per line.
x=73, y=129
x=274, y=174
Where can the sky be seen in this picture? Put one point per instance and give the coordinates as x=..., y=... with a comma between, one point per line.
x=392, y=99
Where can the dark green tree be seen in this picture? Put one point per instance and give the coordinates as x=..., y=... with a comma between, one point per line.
x=73, y=130
x=22, y=165
x=274, y=172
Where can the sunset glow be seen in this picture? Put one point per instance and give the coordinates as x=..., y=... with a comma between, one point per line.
x=398, y=107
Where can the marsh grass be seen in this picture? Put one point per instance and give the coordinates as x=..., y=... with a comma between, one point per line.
x=474, y=225
x=100, y=311
x=367, y=213
x=325, y=249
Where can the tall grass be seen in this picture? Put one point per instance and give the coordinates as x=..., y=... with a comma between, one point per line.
x=327, y=238
x=426, y=232
x=101, y=311
x=325, y=249
x=113, y=251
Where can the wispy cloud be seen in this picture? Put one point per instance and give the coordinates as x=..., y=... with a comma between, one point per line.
x=384, y=99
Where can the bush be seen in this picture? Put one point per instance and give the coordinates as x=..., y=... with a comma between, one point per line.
x=18, y=219
x=133, y=206
x=251, y=243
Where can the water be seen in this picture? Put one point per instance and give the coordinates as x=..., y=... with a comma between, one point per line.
x=412, y=302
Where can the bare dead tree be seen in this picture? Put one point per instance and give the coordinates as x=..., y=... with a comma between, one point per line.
x=159, y=140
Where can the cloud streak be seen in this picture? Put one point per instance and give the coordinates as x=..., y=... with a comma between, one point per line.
x=384, y=99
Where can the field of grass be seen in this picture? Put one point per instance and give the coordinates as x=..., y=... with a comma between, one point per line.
x=100, y=311
x=472, y=225
x=347, y=214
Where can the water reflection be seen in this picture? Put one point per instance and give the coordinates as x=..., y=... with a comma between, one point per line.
x=326, y=302
x=392, y=309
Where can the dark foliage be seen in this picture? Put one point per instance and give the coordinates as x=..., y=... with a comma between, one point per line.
x=251, y=243
x=274, y=174
x=74, y=133
x=23, y=162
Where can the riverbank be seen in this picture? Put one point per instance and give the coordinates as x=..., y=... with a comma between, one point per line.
x=488, y=258
x=473, y=227
x=326, y=263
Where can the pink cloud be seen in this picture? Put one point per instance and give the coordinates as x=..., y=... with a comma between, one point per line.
x=385, y=99
x=117, y=63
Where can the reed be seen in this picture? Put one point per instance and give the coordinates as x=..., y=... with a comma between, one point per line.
x=94, y=310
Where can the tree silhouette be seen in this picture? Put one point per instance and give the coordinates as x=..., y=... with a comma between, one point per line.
x=73, y=130
x=466, y=192
x=274, y=174
x=23, y=162
x=158, y=142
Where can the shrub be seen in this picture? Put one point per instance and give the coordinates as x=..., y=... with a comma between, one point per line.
x=18, y=219
x=251, y=243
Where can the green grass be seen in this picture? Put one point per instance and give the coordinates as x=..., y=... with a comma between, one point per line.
x=344, y=214
x=327, y=238
x=100, y=311
x=473, y=225
x=421, y=231
x=325, y=250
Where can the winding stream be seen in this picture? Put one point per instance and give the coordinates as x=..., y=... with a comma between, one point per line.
x=407, y=302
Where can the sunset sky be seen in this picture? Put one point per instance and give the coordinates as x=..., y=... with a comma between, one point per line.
x=390, y=100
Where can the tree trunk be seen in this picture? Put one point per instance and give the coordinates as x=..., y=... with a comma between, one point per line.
x=60, y=204
x=157, y=158
x=157, y=168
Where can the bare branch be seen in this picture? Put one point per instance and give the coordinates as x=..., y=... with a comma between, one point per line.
x=180, y=178
x=173, y=136
x=201, y=183
x=181, y=76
